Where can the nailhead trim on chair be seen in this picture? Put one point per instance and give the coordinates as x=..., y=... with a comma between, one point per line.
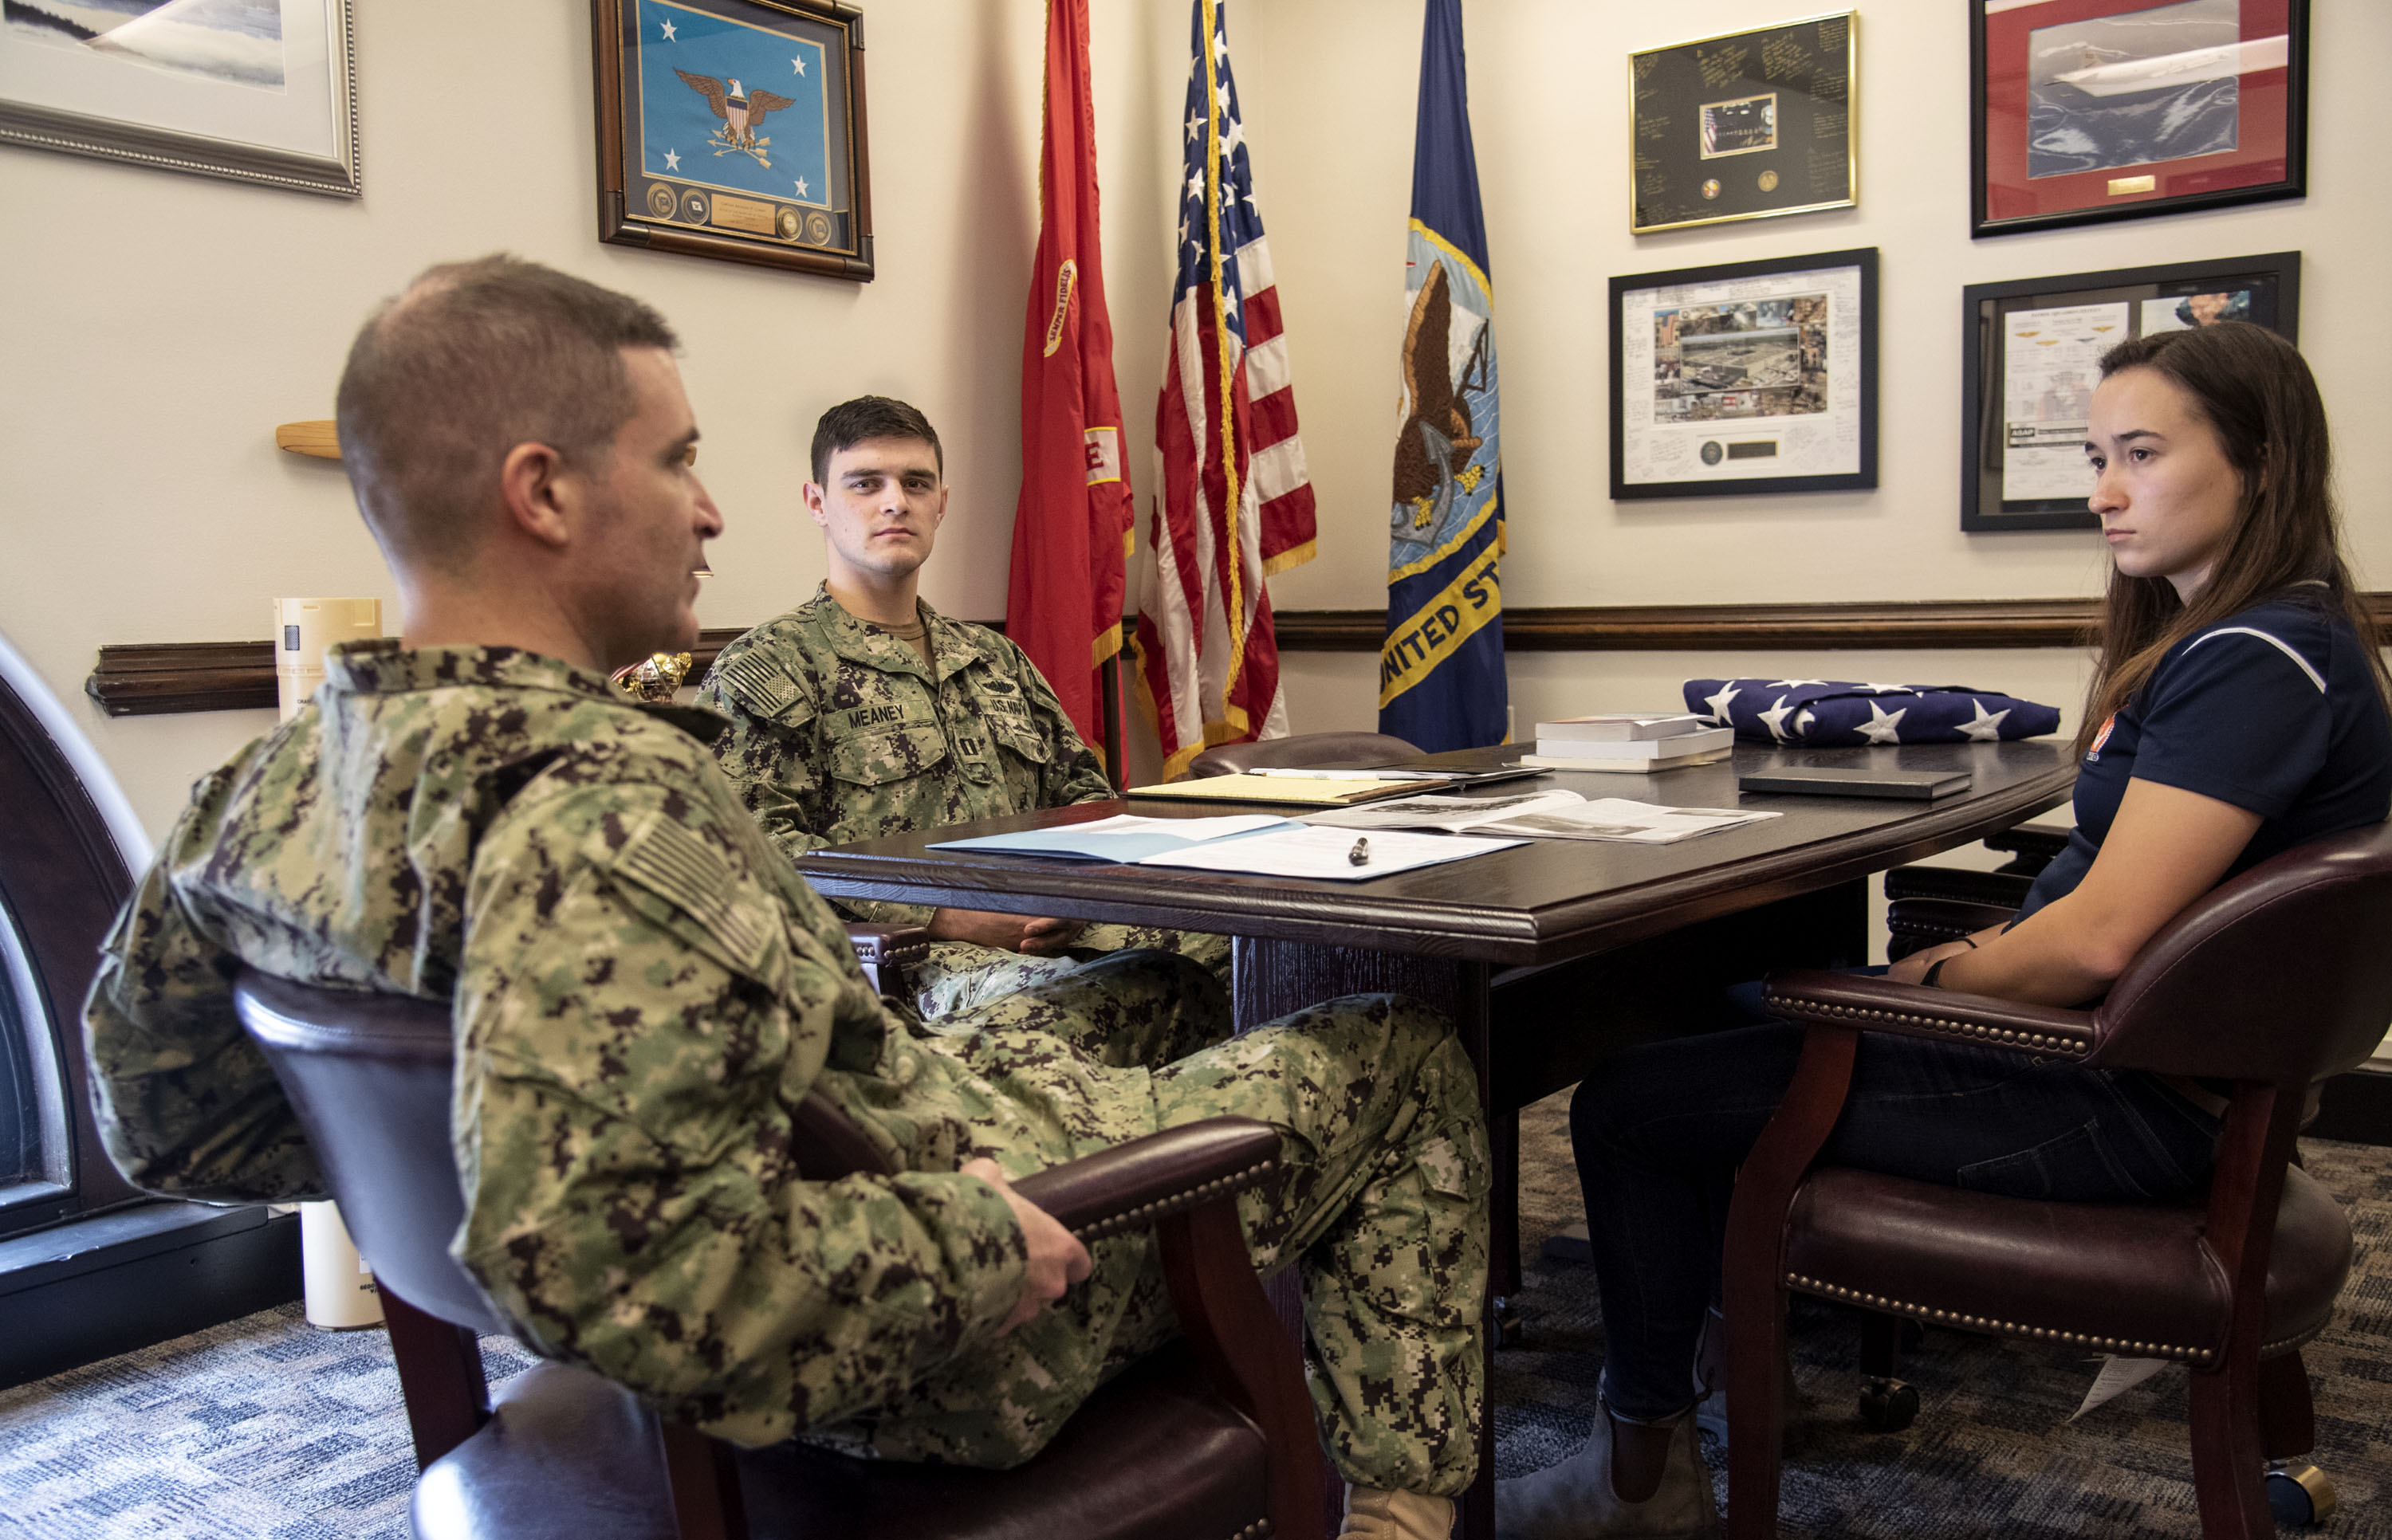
x=2007, y=1328
x=1163, y=1208
x=1941, y=1024
x=2286, y=1344
x=1254, y=1530
x=1928, y=927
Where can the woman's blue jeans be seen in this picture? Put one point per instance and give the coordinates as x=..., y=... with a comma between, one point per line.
x=1660, y=1130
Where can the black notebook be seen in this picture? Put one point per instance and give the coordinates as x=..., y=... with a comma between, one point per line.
x=1856, y=781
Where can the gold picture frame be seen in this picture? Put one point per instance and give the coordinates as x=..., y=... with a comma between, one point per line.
x=1749, y=125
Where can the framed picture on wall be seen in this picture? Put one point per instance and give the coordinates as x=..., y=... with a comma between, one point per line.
x=2031, y=353
x=1749, y=377
x=734, y=129
x=1744, y=125
x=256, y=93
x=2095, y=110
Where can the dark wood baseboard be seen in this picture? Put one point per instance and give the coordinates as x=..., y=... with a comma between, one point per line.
x=120, y=1281
x=148, y=679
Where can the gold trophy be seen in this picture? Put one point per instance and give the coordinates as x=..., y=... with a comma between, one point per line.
x=653, y=679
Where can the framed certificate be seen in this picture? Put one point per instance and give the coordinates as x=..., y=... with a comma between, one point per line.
x=2031, y=355
x=2096, y=109
x=1744, y=125
x=1750, y=377
x=734, y=129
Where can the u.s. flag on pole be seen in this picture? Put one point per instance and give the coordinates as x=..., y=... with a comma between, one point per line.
x=1237, y=502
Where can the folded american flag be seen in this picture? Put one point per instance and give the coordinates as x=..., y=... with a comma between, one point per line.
x=1832, y=713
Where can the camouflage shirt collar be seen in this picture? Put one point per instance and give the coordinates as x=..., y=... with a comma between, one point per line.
x=951, y=641
x=384, y=666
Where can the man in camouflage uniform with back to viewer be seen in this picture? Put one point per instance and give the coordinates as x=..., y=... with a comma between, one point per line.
x=643, y=989
x=864, y=712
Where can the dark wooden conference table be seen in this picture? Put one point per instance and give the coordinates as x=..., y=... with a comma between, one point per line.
x=1549, y=956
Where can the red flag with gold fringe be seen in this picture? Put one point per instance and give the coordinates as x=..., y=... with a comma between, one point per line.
x=1071, y=524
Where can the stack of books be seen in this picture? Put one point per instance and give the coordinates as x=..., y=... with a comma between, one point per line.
x=1632, y=742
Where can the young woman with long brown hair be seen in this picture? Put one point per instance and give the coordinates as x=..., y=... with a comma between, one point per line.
x=2239, y=710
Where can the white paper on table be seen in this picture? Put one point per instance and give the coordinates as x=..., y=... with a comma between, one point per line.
x=1439, y=810
x=1542, y=815
x=1327, y=854
x=1622, y=818
x=1198, y=829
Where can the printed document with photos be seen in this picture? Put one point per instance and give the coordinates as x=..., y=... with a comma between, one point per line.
x=1542, y=815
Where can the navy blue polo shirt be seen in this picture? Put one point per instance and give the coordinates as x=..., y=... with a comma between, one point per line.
x=2273, y=709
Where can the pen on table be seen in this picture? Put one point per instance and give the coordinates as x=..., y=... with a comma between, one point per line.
x=1360, y=854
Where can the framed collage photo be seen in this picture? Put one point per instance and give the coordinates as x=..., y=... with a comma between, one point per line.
x=1744, y=125
x=1749, y=376
x=255, y=92
x=734, y=129
x=2031, y=353
x=2096, y=109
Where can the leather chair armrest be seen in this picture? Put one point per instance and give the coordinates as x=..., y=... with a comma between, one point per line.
x=1913, y=1010
x=2031, y=846
x=1135, y=1183
x=1914, y=923
x=1957, y=884
x=899, y=944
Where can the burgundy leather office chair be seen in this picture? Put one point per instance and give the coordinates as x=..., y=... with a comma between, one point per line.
x=1304, y=751
x=1210, y=1438
x=2274, y=981
x=1929, y=905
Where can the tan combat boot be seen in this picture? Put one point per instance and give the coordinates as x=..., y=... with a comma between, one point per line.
x=1632, y=1482
x=1371, y=1514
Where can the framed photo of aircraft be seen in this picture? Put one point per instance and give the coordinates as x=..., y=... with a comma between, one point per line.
x=2095, y=110
x=1745, y=378
x=262, y=94
x=734, y=129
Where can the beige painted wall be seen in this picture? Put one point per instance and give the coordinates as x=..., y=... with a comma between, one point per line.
x=163, y=324
x=1336, y=81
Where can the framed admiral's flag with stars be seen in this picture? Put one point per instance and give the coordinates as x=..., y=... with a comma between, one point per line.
x=734, y=129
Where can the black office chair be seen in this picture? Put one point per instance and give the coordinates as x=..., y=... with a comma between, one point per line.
x=1209, y=1437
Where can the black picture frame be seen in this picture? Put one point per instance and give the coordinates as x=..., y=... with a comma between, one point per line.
x=2267, y=159
x=1855, y=274
x=809, y=211
x=2271, y=282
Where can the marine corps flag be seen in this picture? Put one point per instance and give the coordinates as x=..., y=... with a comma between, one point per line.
x=1071, y=526
x=1441, y=682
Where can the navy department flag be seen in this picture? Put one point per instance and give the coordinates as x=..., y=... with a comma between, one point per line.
x=1441, y=682
x=1833, y=714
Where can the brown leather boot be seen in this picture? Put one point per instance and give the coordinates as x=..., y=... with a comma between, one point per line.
x=1371, y=1514
x=1632, y=1482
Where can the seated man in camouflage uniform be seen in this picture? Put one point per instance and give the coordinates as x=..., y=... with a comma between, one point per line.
x=643, y=989
x=866, y=712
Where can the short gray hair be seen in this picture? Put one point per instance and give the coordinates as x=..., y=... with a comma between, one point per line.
x=470, y=360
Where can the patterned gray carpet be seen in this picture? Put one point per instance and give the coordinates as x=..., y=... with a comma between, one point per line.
x=267, y=1429
x=1993, y=1453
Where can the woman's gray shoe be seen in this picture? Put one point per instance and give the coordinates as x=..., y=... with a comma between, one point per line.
x=1575, y=1500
